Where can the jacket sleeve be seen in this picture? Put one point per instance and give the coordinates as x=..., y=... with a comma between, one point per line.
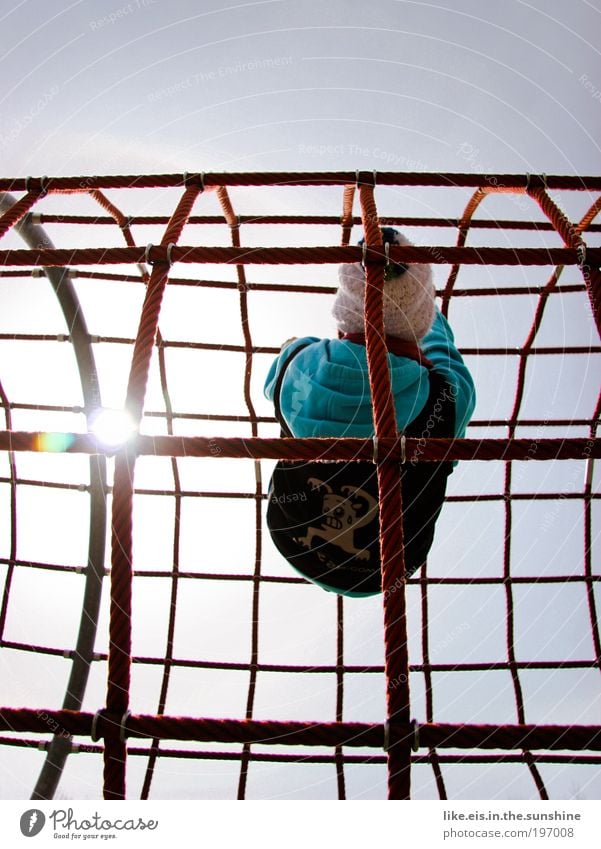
x=439, y=347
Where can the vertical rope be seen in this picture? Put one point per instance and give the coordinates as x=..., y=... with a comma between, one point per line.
x=346, y=219
x=340, y=779
x=588, y=561
x=12, y=555
x=433, y=755
x=124, y=224
x=572, y=237
x=568, y=233
x=510, y=630
x=346, y=222
x=154, y=749
x=391, y=529
x=119, y=660
x=233, y=222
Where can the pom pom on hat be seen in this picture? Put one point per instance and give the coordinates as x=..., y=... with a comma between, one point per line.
x=408, y=296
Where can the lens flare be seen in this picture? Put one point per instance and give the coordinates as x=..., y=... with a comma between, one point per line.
x=112, y=428
x=53, y=443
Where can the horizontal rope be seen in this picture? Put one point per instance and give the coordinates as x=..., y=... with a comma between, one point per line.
x=350, y=449
x=314, y=255
x=281, y=579
x=399, y=221
x=557, y=350
x=304, y=758
x=198, y=283
x=212, y=180
x=232, y=417
x=231, y=666
x=250, y=496
x=433, y=735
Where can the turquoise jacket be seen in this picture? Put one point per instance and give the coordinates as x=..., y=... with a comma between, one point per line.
x=325, y=390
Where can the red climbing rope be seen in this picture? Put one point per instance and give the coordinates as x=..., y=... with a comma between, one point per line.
x=121, y=572
x=257, y=448
x=159, y=255
x=113, y=724
x=391, y=527
x=210, y=180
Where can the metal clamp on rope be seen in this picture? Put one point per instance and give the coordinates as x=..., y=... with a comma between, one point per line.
x=375, y=450
x=94, y=730
x=581, y=254
x=43, y=185
x=200, y=176
x=543, y=179
x=415, y=735
x=403, y=449
x=358, y=180
x=123, y=726
x=153, y=262
x=364, y=257
x=101, y=714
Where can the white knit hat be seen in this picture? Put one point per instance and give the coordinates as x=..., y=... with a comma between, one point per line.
x=408, y=297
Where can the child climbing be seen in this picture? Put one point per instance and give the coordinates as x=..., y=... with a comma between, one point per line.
x=323, y=516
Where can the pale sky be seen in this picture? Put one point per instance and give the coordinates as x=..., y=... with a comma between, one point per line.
x=151, y=86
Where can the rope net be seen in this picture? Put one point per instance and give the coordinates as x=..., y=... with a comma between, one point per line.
x=145, y=612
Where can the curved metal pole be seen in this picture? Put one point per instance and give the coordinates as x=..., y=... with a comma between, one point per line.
x=60, y=747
